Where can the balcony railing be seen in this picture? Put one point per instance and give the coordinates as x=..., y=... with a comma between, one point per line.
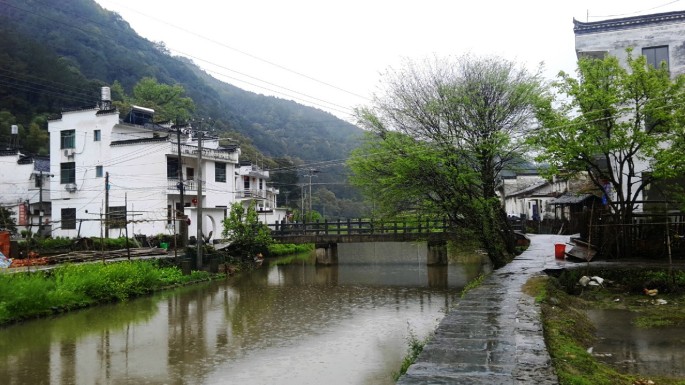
x=248, y=193
x=207, y=153
x=189, y=184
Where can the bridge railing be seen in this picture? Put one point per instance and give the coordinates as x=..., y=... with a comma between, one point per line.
x=360, y=227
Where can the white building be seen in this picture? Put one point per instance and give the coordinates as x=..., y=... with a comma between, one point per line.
x=527, y=195
x=140, y=162
x=251, y=187
x=25, y=189
x=659, y=37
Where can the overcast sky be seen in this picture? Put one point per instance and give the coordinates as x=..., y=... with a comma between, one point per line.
x=330, y=54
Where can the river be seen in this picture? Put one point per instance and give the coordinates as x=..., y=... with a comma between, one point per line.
x=293, y=323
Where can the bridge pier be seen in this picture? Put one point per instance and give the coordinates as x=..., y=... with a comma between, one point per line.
x=437, y=253
x=326, y=253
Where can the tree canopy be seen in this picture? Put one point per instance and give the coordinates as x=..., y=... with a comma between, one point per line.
x=612, y=122
x=247, y=235
x=439, y=136
x=616, y=123
x=168, y=101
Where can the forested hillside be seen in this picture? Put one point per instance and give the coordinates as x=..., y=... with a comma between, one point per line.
x=56, y=55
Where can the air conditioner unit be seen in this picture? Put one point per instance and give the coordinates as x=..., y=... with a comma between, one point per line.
x=69, y=152
x=71, y=187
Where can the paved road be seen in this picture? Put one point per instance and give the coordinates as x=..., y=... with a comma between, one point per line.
x=494, y=335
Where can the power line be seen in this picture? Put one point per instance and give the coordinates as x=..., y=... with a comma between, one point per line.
x=58, y=22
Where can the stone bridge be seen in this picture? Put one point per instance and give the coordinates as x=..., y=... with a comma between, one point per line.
x=327, y=235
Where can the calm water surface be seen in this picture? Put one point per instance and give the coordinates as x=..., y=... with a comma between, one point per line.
x=654, y=351
x=281, y=324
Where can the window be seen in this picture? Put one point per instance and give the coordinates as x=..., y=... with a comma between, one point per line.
x=67, y=172
x=117, y=217
x=220, y=172
x=261, y=184
x=190, y=173
x=96, y=136
x=69, y=219
x=67, y=139
x=246, y=182
x=98, y=171
x=172, y=168
x=656, y=55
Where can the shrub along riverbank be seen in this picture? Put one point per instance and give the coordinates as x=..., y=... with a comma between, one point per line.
x=40, y=293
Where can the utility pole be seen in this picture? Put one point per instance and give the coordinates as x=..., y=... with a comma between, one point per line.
x=199, y=198
x=107, y=204
x=302, y=202
x=40, y=204
x=181, y=212
x=41, y=210
x=311, y=174
x=128, y=249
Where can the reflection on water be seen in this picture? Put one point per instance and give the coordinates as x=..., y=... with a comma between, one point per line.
x=287, y=324
x=638, y=350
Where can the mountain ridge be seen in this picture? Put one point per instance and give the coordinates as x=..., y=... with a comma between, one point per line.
x=57, y=56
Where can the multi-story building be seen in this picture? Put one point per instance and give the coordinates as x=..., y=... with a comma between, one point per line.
x=252, y=187
x=133, y=168
x=659, y=37
x=25, y=190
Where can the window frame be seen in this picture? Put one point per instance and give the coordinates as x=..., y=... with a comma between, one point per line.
x=67, y=174
x=220, y=172
x=67, y=139
x=652, y=56
x=68, y=216
x=99, y=171
x=172, y=168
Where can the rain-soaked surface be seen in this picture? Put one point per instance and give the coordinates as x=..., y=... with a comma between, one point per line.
x=657, y=351
x=281, y=324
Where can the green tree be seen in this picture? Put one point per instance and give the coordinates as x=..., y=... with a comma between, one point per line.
x=167, y=100
x=247, y=235
x=439, y=137
x=7, y=222
x=612, y=123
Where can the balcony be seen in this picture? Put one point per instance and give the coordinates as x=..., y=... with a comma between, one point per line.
x=250, y=194
x=224, y=155
x=190, y=185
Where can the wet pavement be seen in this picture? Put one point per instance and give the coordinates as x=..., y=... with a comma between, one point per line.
x=494, y=335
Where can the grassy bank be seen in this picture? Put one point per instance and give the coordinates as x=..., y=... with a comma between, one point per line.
x=41, y=293
x=280, y=249
x=569, y=333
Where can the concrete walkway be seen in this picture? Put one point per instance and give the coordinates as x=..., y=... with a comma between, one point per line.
x=494, y=335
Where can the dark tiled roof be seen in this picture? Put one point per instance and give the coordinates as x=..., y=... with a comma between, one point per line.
x=580, y=27
x=529, y=189
x=570, y=198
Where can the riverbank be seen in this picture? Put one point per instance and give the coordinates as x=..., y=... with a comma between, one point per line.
x=570, y=335
x=27, y=295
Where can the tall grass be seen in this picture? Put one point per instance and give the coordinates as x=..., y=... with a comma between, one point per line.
x=415, y=348
x=278, y=249
x=30, y=295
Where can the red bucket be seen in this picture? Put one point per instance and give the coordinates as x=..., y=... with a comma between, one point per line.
x=559, y=250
